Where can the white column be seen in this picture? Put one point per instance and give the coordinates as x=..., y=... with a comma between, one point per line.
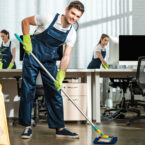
x=96, y=98
x=97, y=92
x=89, y=96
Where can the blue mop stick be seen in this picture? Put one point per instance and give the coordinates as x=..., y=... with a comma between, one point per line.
x=94, y=126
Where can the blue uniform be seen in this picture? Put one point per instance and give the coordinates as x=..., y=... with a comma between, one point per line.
x=7, y=56
x=96, y=62
x=45, y=47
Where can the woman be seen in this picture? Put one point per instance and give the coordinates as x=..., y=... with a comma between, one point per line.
x=7, y=51
x=99, y=54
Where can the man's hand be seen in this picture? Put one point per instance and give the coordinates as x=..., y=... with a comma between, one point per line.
x=10, y=65
x=27, y=43
x=59, y=79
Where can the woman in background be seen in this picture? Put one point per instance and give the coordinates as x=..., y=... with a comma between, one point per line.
x=7, y=51
x=99, y=53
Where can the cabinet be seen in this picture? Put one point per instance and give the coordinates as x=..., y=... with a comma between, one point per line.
x=78, y=92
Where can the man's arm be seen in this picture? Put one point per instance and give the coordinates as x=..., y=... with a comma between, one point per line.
x=26, y=36
x=26, y=24
x=63, y=67
x=66, y=58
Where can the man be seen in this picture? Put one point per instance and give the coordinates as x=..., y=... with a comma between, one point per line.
x=52, y=32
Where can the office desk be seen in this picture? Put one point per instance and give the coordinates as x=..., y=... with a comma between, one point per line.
x=110, y=73
x=10, y=73
x=86, y=75
x=9, y=88
x=71, y=73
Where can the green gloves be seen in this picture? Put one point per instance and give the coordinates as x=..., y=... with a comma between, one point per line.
x=106, y=66
x=59, y=79
x=10, y=65
x=27, y=43
x=1, y=65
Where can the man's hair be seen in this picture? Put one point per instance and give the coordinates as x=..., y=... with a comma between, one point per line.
x=76, y=4
x=5, y=32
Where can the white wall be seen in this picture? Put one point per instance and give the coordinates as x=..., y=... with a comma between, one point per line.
x=139, y=17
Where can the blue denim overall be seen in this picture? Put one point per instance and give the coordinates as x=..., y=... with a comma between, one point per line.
x=96, y=62
x=7, y=56
x=45, y=46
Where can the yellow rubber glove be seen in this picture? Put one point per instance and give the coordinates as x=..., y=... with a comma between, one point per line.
x=59, y=79
x=10, y=65
x=27, y=43
x=105, y=66
x=1, y=65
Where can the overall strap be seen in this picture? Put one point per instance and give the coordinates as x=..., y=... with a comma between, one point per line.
x=54, y=20
x=10, y=44
x=2, y=44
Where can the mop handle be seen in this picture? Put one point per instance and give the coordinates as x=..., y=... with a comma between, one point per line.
x=36, y=59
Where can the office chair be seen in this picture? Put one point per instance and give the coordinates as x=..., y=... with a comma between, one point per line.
x=123, y=106
x=137, y=87
x=19, y=92
x=39, y=109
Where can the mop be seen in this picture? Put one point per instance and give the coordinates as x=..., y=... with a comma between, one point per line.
x=102, y=139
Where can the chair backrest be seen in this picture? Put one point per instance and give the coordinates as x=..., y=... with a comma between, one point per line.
x=140, y=76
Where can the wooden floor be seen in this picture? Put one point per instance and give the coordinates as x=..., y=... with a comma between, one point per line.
x=42, y=135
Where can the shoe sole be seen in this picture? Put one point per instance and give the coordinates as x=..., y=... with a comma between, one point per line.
x=67, y=136
x=26, y=137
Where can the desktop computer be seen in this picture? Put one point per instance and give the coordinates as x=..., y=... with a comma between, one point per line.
x=131, y=47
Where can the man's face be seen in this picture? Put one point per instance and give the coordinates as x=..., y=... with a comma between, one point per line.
x=73, y=15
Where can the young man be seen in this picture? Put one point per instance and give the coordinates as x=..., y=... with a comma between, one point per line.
x=52, y=31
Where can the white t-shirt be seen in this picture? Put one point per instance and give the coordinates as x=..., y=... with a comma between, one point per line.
x=43, y=22
x=98, y=48
x=8, y=43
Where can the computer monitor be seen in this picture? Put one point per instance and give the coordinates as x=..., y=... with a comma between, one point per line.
x=60, y=51
x=113, y=57
x=130, y=48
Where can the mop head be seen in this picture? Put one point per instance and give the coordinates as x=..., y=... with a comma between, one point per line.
x=109, y=140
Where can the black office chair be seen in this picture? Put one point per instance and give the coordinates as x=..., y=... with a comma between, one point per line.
x=137, y=87
x=18, y=91
x=40, y=111
x=123, y=106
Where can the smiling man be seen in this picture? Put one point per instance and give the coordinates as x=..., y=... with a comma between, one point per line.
x=52, y=32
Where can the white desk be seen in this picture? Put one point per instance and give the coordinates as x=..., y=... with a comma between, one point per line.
x=71, y=73
x=10, y=73
x=110, y=73
x=86, y=74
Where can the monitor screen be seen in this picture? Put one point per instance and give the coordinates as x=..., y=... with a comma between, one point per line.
x=131, y=47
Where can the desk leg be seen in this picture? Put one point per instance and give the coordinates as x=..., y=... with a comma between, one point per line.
x=96, y=99
x=89, y=97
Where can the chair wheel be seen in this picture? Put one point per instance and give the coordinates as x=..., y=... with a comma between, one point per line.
x=120, y=116
x=128, y=123
x=14, y=123
x=34, y=125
